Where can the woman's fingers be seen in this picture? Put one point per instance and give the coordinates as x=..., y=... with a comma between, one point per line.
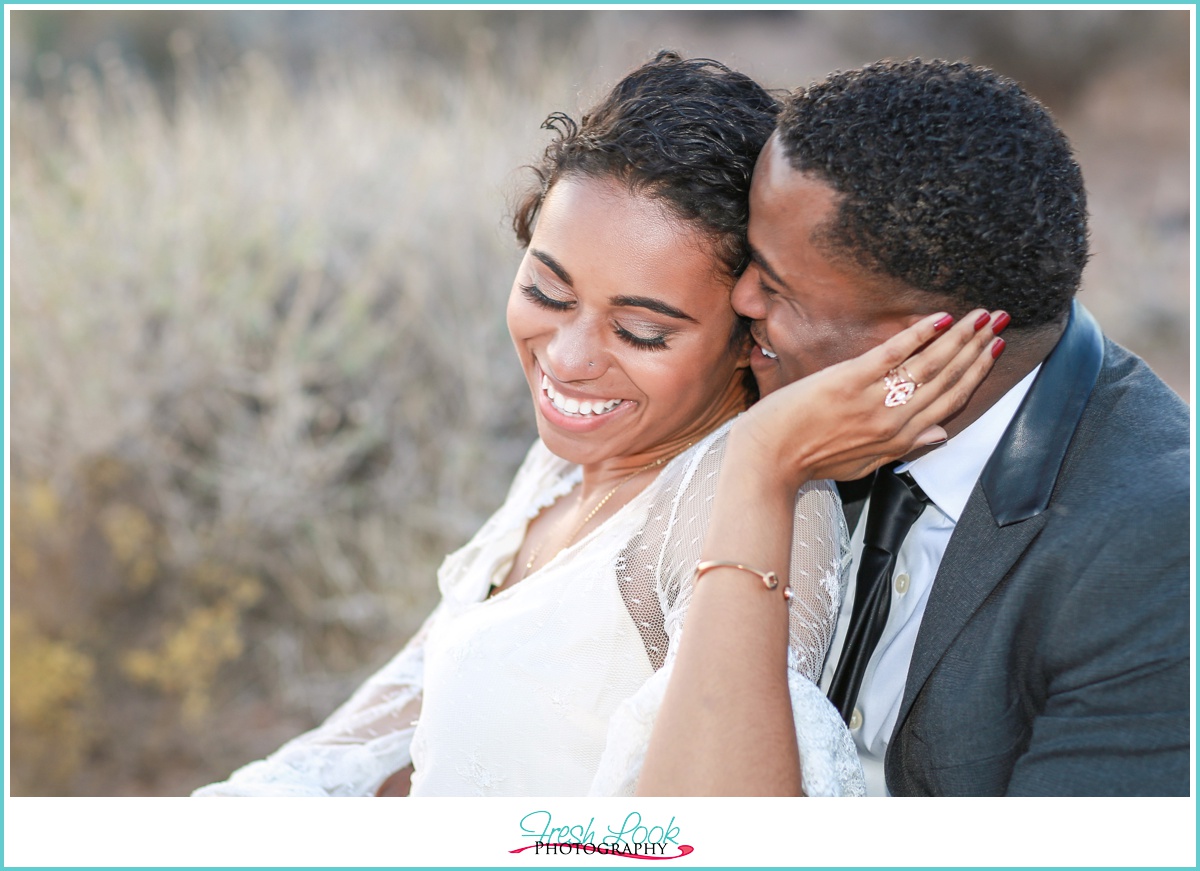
x=952, y=352
x=933, y=349
x=900, y=348
x=959, y=379
x=958, y=362
x=850, y=418
x=945, y=365
x=954, y=366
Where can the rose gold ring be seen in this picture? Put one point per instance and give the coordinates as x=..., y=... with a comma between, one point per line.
x=900, y=388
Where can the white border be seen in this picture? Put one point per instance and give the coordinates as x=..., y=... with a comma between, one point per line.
x=465, y=832
x=723, y=832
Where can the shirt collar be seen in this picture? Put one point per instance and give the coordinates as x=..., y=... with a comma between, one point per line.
x=948, y=473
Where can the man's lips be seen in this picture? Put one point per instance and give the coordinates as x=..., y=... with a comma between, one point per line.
x=764, y=347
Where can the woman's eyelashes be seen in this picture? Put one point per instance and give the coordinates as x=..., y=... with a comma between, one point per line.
x=646, y=339
x=534, y=294
x=657, y=342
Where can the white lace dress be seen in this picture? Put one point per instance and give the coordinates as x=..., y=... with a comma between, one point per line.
x=551, y=687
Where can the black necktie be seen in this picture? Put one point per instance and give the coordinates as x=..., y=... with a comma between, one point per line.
x=896, y=503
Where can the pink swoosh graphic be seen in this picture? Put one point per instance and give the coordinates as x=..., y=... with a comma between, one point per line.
x=684, y=850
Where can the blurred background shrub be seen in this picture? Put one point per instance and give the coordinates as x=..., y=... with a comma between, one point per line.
x=261, y=382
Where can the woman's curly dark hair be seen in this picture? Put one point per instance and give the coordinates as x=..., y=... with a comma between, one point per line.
x=956, y=182
x=686, y=132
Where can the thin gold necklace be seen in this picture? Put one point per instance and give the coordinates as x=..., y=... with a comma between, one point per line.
x=604, y=501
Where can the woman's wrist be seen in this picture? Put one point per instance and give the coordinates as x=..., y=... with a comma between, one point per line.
x=757, y=460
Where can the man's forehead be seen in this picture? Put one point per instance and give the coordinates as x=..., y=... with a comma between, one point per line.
x=790, y=216
x=787, y=209
x=772, y=169
x=778, y=186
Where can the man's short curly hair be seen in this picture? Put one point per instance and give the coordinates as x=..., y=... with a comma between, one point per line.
x=686, y=132
x=955, y=182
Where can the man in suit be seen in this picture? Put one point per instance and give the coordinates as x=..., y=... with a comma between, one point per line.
x=1026, y=629
x=1030, y=633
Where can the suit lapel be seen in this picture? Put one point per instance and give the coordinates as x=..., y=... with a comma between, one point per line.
x=978, y=557
x=1006, y=511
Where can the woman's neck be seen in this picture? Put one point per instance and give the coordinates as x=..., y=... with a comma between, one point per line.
x=602, y=475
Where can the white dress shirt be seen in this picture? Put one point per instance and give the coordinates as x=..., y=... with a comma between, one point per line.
x=947, y=475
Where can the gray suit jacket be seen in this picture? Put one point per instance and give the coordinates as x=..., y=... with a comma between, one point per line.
x=1053, y=657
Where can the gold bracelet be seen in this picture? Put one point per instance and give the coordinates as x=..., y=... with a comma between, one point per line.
x=770, y=579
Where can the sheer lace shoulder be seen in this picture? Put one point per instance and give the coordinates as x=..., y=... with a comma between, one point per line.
x=655, y=569
x=655, y=574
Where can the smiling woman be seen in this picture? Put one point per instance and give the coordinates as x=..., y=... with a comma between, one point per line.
x=615, y=309
x=541, y=671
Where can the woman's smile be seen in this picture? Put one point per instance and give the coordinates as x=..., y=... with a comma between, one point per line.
x=575, y=411
x=621, y=316
x=581, y=408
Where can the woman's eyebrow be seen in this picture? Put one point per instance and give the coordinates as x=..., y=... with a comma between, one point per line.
x=655, y=305
x=553, y=265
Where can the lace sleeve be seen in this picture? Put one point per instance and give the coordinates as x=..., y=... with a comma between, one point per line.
x=657, y=586
x=361, y=744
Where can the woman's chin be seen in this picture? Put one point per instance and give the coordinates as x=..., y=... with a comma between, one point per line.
x=582, y=439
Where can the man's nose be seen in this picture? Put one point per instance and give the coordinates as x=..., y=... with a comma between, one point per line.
x=747, y=298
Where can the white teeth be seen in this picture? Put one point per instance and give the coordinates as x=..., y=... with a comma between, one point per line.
x=770, y=355
x=574, y=406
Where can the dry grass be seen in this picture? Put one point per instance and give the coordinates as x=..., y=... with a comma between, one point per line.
x=261, y=385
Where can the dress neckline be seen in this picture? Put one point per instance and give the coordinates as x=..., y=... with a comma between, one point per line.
x=566, y=482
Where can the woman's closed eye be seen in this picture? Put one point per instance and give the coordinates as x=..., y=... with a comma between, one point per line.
x=645, y=337
x=534, y=294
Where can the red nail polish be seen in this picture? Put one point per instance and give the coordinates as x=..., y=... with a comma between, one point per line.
x=1002, y=320
x=942, y=323
x=997, y=348
x=982, y=322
